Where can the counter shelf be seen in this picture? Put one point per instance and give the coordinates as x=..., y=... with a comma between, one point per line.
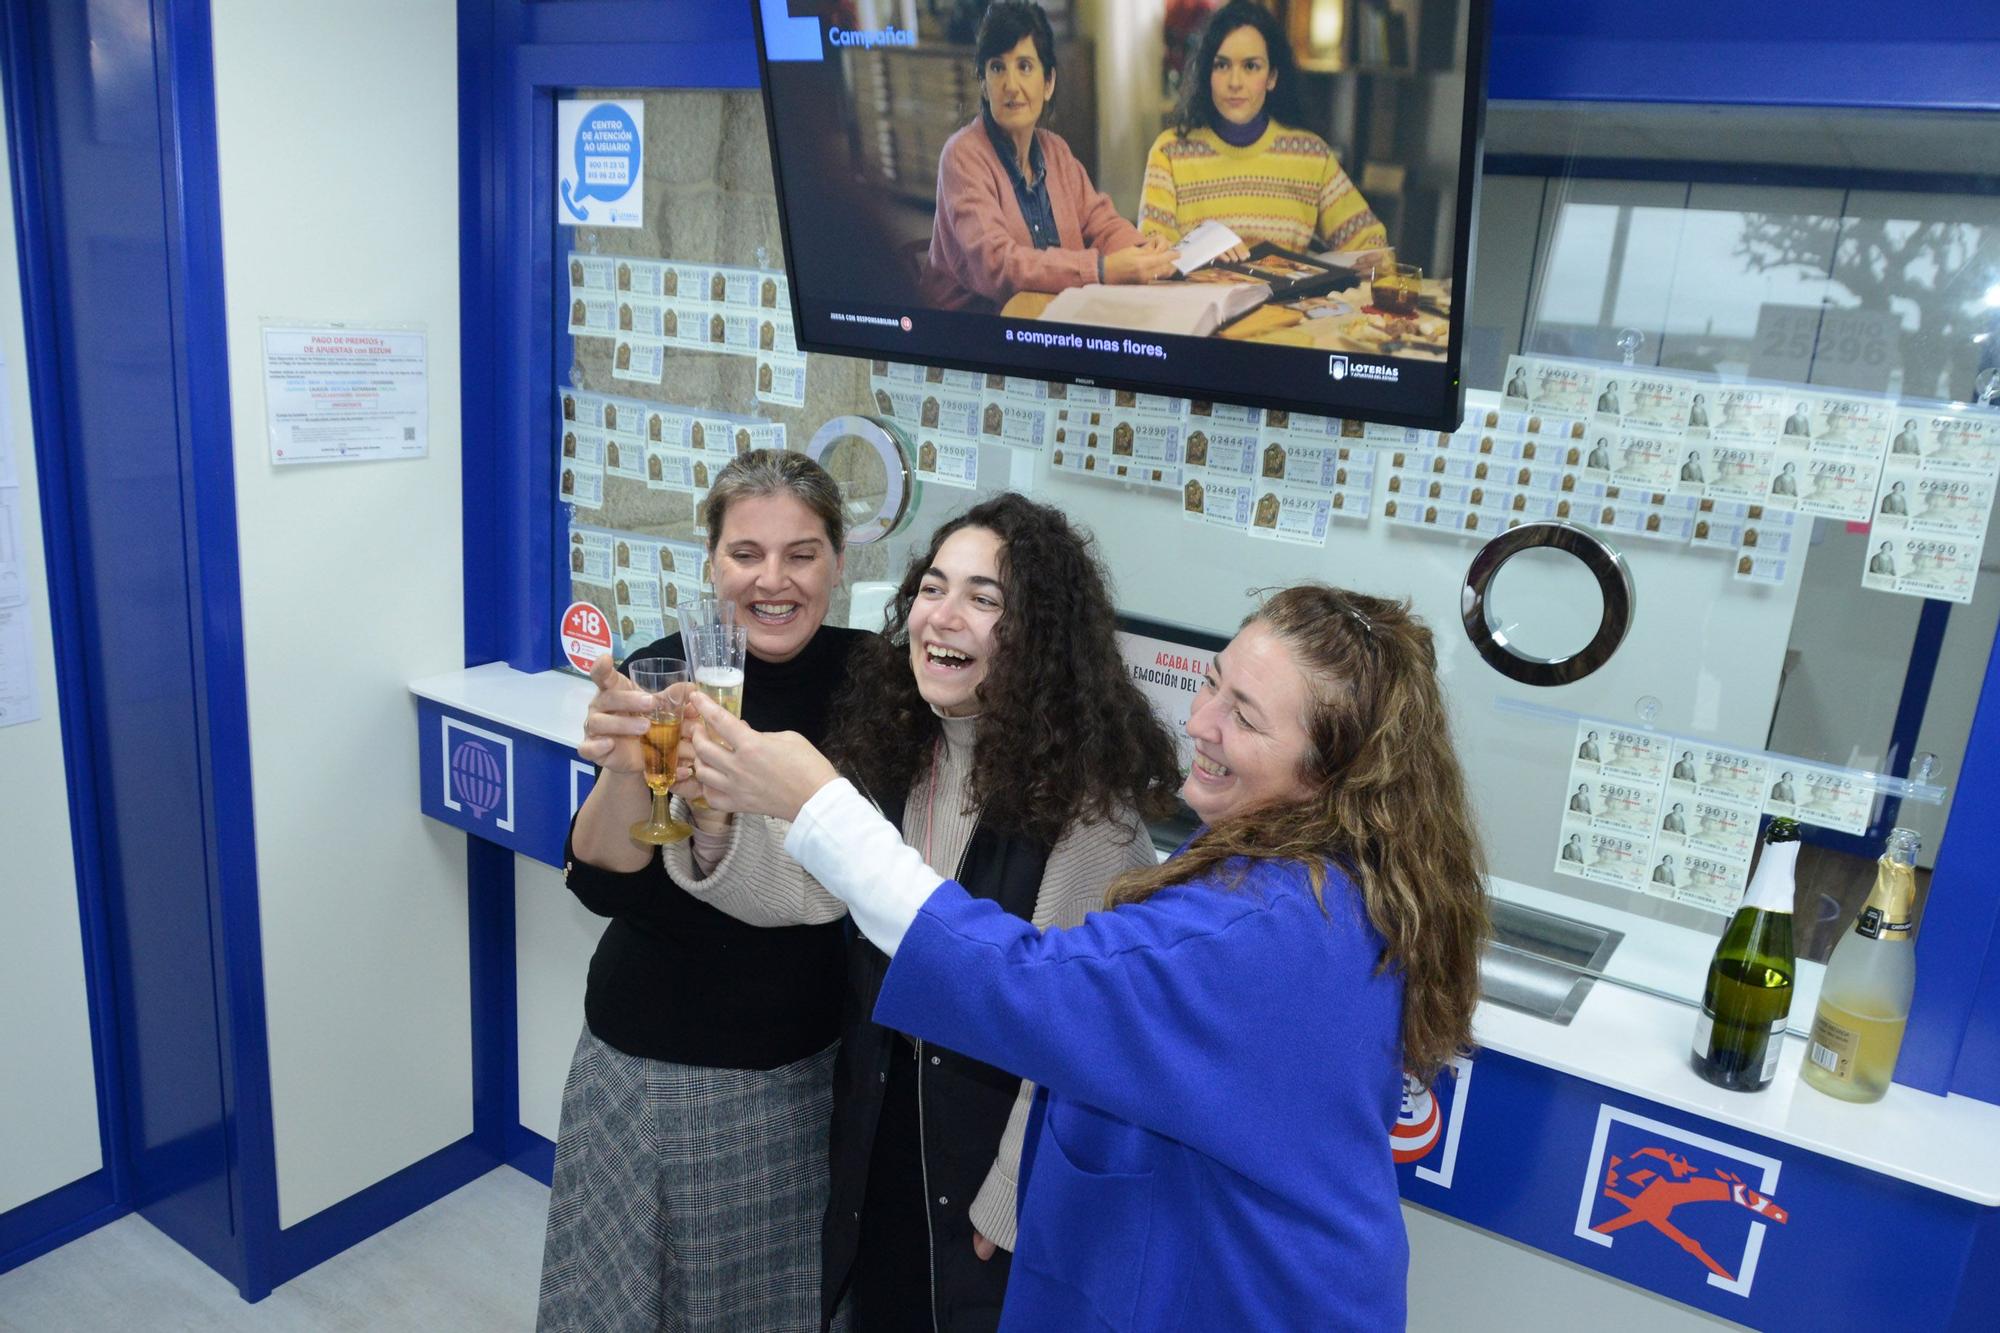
x=1549, y=1134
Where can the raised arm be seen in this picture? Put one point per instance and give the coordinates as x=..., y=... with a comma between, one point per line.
x=752, y=877
x=1148, y=1012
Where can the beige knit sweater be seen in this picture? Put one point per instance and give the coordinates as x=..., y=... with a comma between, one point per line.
x=748, y=875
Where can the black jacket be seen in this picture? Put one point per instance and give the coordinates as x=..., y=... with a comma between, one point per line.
x=964, y=1108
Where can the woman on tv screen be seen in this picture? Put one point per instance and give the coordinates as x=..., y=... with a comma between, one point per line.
x=1015, y=210
x=1238, y=153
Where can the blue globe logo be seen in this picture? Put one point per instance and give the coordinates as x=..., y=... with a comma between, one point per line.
x=475, y=777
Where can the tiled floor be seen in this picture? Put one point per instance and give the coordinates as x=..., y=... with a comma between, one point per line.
x=471, y=1261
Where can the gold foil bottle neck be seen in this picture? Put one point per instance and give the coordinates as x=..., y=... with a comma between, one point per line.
x=1891, y=904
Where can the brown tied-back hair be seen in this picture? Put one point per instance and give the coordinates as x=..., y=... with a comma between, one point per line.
x=762, y=472
x=1387, y=806
x=1064, y=737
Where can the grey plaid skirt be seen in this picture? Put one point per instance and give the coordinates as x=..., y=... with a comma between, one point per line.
x=686, y=1198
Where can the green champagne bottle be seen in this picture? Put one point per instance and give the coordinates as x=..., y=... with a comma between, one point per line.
x=1749, y=992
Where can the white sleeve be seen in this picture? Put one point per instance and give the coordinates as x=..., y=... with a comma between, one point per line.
x=857, y=855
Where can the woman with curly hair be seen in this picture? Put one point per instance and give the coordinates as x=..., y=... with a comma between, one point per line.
x=995, y=727
x=1211, y=1146
x=1238, y=151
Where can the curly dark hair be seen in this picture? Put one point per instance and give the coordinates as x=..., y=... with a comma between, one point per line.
x=1064, y=736
x=1196, y=108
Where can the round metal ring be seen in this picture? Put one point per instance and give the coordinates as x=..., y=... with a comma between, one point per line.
x=1489, y=636
x=870, y=518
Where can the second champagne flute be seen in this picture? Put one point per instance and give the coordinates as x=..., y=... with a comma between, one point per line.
x=718, y=652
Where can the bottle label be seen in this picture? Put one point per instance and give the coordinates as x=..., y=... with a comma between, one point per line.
x=1832, y=1047
x=1771, y=1049
x=1874, y=926
x=1704, y=1032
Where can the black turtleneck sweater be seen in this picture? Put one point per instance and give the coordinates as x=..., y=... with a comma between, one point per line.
x=675, y=979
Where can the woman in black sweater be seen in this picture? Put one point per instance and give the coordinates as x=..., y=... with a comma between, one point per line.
x=691, y=1170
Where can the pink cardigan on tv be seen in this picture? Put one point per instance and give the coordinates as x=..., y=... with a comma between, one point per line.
x=981, y=252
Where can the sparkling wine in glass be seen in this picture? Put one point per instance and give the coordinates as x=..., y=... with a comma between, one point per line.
x=699, y=621
x=660, y=745
x=718, y=652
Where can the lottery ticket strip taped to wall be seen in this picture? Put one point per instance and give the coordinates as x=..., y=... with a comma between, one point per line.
x=646, y=306
x=1733, y=466
x=1274, y=475
x=1676, y=817
x=666, y=446
x=1667, y=458
x=1660, y=456
x=647, y=578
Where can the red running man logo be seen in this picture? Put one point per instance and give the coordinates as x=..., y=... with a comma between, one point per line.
x=1650, y=1195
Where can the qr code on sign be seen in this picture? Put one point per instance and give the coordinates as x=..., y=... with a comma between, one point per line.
x=409, y=433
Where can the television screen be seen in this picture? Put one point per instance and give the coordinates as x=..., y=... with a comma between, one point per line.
x=1233, y=202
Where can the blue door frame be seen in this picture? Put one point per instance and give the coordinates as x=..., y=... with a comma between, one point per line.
x=120, y=258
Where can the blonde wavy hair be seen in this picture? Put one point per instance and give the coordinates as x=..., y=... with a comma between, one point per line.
x=1386, y=805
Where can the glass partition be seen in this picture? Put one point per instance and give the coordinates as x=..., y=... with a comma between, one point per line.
x=1752, y=268
x=1797, y=253
x=674, y=354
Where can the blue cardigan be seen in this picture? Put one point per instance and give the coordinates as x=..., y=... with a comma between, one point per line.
x=1221, y=1068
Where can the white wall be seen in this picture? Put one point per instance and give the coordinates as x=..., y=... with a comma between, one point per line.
x=338, y=147
x=48, y=1089
x=553, y=940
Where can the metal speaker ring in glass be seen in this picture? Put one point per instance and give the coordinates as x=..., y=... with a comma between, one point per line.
x=1492, y=638
x=870, y=459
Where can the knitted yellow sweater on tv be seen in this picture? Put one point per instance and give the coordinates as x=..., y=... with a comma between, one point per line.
x=1286, y=188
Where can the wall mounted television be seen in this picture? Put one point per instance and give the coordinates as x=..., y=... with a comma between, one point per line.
x=1270, y=206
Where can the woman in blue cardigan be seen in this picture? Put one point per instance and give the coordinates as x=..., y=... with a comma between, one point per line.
x=1211, y=1146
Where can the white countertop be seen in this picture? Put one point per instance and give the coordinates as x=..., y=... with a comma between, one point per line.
x=1639, y=1043
x=1620, y=1038
x=549, y=704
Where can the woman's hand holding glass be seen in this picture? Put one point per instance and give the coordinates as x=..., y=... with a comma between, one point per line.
x=1147, y=261
x=615, y=724
x=700, y=812
x=664, y=681
x=746, y=771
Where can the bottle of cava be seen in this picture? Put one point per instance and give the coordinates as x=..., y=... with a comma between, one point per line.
x=1749, y=992
x=1864, y=1003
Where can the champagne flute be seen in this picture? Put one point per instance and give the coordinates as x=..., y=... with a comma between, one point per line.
x=697, y=619
x=718, y=652
x=660, y=745
x=706, y=611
